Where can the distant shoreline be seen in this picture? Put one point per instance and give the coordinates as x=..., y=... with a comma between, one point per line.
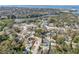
x=44, y=6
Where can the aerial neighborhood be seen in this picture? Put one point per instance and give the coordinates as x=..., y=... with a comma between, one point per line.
x=39, y=30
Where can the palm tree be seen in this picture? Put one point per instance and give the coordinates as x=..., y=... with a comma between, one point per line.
x=49, y=47
x=43, y=34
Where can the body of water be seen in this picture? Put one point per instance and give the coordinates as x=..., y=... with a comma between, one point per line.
x=45, y=6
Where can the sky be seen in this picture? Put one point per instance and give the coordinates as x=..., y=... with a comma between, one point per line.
x=39, y=2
